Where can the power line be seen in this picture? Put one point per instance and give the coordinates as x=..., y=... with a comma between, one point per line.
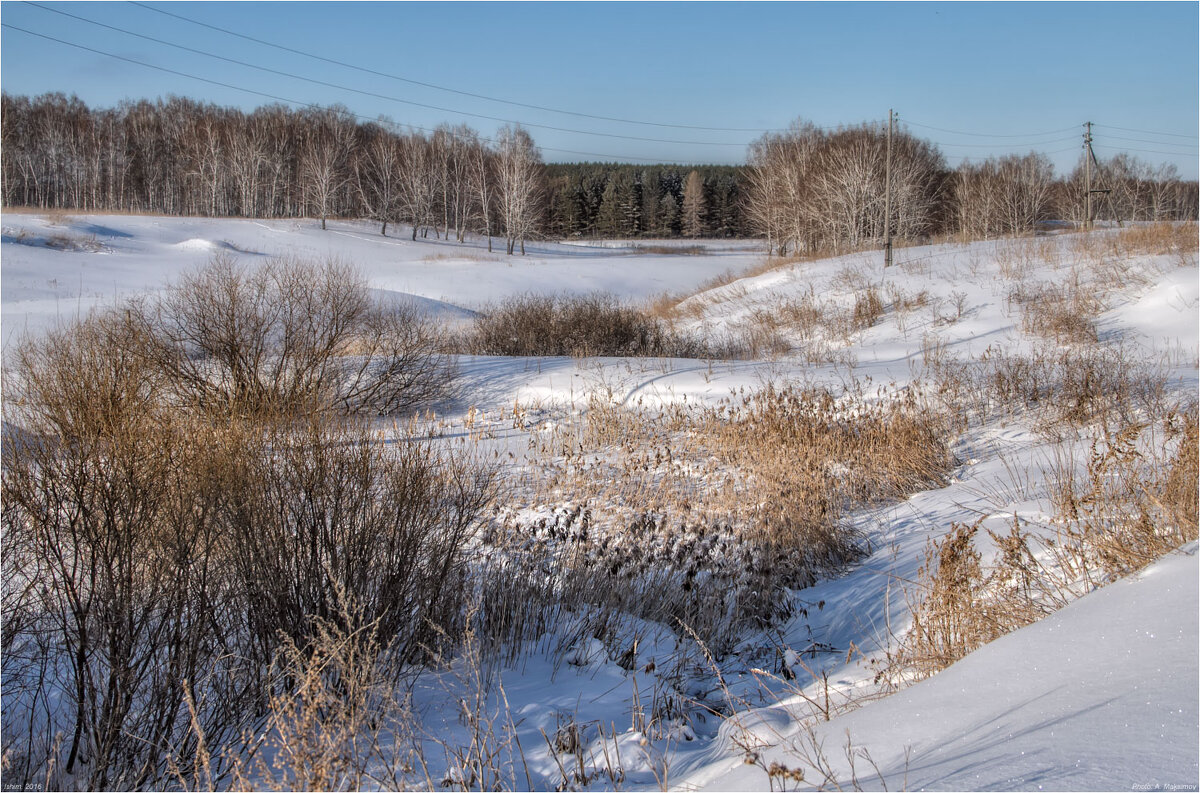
x=992, y=135
x=1155, y=142
x=1003, y=145
x=302, y=103
x=1151, y=151
x=618, y=158
x=967, y=157
x=1148, y=132
x=441, y=87
x=377, y=95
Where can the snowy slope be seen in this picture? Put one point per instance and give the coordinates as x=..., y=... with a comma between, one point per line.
x=1100, y=695
x=102, y=257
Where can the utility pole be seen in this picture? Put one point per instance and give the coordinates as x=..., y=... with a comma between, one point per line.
x=1088, y=161
x=887, y=196
x=1087, y=177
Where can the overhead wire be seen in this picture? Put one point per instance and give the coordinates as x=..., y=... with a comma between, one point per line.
x=1003, y=145
x=511, y=121
x=302, y=103
x=1147, y=151
x=991, y=135
x=1154, y=142
x=1148, y=132
x=375, y=95
x=436, y=87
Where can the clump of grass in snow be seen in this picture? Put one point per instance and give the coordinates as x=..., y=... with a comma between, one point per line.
x=704, y=517
x=1135, y=502
x=1062, y=312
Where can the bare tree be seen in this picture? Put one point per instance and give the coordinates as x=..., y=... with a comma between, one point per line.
x=482, y=175
x=323, y=161
x=418, y=183
x=519, y=185
x=812, y=189
x=377, y=176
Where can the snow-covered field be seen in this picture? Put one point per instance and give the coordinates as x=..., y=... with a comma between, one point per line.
x=1102, y=694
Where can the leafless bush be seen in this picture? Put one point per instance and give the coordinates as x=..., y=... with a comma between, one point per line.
x=108, y=504
x=161, y=552
x=326, y=508
x=596, y=324
x=1072, y=386
x=868, y=308
x=290, y=337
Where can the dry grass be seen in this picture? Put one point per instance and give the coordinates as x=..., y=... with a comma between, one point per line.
x=711, y=508
x=667, y=306
x=1058, y=390
x=1064, y=313
x=670, y=250
x=1156, y=238
x=1133, y=504
x=466, y=254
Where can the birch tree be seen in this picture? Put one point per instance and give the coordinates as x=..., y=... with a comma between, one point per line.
x=518, y=186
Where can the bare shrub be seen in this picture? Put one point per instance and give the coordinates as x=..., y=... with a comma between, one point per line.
x=290, y=337
x=581, y=326
x=108, y=504
x=161, y=550
x=326, y=508
x=1072, y=386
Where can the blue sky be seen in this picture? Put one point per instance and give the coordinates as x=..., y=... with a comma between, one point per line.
x=1017, y=76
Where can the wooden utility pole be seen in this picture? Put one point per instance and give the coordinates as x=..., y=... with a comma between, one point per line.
x=887, y=196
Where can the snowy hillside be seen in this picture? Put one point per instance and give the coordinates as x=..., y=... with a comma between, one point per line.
x=989, y=336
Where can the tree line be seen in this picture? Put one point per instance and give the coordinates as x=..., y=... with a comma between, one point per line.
x=810, y=189
x=182, y=157
x=805, y=189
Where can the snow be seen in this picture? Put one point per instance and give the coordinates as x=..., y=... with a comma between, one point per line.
x=1100, y=695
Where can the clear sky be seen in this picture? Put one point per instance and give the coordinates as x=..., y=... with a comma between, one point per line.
x=1015, y=76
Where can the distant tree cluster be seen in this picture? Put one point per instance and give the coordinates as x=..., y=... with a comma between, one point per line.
x=809, y=189
x=815, y=190
x=657, y=201
x=181, y=157
x=805, y=189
